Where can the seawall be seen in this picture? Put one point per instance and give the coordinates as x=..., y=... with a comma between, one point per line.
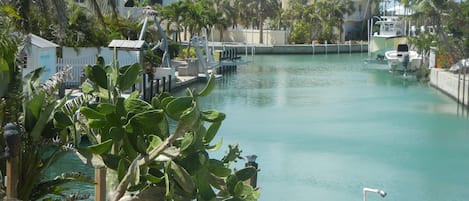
x=294, y=49
x=447, y=82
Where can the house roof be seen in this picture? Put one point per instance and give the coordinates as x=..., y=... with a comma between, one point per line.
x=41, y=42
x=128, y=44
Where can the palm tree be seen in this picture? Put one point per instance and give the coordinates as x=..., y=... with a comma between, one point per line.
x=174, y=14
x=331, y=14
x=256, y=12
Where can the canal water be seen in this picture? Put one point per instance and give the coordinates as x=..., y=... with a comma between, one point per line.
x=326, y=126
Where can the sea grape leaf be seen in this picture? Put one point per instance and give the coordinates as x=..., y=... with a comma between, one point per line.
x=101, y=148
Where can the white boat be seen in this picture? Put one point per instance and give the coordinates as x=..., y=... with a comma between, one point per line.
x=402, y=60
x=389, y=36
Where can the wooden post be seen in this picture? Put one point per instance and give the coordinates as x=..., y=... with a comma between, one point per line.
x=252, y=163
x=12, y=178
x=13, y=142
x=100, y=184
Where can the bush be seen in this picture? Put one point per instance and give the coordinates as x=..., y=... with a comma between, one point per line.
x=184, y=53
x=174, y=48
x=300, y=33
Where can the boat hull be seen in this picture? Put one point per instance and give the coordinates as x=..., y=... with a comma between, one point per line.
x=380, y=44
x=399, y=62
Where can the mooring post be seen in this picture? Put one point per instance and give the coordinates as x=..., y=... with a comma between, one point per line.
x=164, y=83
x=169, y=83
x=158, y=86
x=100, y=184
x=252, y=163
x=151, y=89
x=12, y=141
x=144, y=86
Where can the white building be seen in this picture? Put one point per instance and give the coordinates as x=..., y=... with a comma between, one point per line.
x=41, y=53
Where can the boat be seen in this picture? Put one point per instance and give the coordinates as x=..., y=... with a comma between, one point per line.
x=389, y=36
x=402, y=60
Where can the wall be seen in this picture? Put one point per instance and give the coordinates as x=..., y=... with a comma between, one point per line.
x=250, y=36
x=447, y=82
x=41, y=57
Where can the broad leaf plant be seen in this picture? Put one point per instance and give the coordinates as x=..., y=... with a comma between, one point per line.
x=156, y=150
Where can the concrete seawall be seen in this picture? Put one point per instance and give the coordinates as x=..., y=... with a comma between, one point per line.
x=447, y=82
x=295, y=49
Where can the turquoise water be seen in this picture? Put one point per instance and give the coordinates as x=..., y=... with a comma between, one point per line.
x=326, y=126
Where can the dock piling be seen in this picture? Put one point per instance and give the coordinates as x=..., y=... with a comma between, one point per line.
x=164, y=83
x=252, y=163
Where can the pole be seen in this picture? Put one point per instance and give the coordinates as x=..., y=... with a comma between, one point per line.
x=252, y=163
x=13, y=142
x=100, y=184
x=12, y=178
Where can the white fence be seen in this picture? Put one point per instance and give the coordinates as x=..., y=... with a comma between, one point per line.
x=77, y=64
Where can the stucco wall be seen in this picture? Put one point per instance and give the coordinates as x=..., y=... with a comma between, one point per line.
x=448, y=83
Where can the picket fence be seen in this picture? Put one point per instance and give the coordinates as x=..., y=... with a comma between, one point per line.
x=77, y=67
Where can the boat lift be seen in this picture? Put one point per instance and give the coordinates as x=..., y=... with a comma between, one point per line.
x=207, y=62
x=163, y=44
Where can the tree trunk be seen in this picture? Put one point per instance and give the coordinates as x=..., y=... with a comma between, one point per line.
x=221, y=35
x=261, y=30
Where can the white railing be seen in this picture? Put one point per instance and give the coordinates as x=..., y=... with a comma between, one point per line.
x=77, y=65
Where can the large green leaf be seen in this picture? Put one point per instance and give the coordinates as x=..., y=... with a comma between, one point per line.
x=216, y=147
x=186, y=141
x=137, y=142
x=195, y=161
x=218, y=168
x=62, y=120
x=231, y=182
x=87, y=88
x=97, y=123
x=155, y=141
x=120, y=107
x=153, y=179
x=100, y=76
x=176, y=107
x=105, y=108
x=117, y=133
x=122, y=169
x=111, y=160
x=130, y=76
x=45, y=116
x=145, y=121
x=209, y=87
x=136, y=106
x=246, y=173
x=33, y=110
x=213, y=116
x=91, y=113
x=205, y=190
x=89, y=72
x=4, y=65
x=212, y=131
x=101, y=148
x=182, y=177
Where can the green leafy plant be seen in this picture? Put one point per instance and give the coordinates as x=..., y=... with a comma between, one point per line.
x=158, y=149
x=37, y=114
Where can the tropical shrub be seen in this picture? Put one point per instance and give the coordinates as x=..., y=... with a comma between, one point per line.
x=159, y=148
x=34, y=111
x=187, y=52
x=300, y=33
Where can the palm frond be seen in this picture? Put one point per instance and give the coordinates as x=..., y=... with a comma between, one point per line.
x=51, y=85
